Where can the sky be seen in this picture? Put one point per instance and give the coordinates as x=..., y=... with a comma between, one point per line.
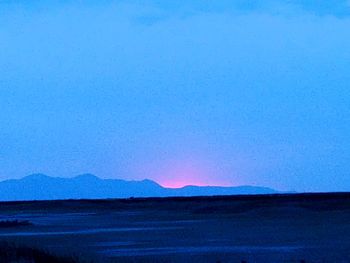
x=181, y=92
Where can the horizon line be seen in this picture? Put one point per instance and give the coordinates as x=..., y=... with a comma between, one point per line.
x=135, y=180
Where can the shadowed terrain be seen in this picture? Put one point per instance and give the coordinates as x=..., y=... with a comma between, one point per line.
x=14, y=223
x=258, y=228
x=13, y=253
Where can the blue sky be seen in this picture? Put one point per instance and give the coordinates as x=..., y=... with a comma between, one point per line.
x=228, y=93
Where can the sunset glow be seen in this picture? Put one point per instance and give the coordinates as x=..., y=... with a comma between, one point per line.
x=181, y=183
x=177, y=174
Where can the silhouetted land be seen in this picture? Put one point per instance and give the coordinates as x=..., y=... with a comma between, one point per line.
x=24, y=254
x=92, y=187
x=261, y=228
x=14, y=223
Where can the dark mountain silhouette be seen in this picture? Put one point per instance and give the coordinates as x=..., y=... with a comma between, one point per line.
x=88, y=186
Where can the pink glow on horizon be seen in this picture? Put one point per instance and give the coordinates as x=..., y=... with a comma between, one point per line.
x=178, y=174
x=179, y=183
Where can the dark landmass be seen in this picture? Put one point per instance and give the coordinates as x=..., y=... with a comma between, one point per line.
x=87, y=186
x=246, y=228
x=22, y=254
x=14, y=223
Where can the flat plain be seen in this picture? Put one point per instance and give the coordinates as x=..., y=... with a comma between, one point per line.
x=252, y=228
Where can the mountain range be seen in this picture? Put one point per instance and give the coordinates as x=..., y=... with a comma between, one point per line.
x=88, y=186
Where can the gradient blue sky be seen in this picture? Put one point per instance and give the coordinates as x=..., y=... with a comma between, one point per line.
x=198, y=92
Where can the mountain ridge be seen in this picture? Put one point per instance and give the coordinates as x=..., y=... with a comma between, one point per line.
x=89, y=186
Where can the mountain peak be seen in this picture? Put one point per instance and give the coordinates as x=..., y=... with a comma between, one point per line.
x=150, y=182
x=86, y=177
x=36, y=177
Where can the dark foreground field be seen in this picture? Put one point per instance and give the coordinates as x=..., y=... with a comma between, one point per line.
x=271, y=228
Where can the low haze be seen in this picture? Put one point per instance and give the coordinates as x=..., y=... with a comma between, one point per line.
x=180, y=92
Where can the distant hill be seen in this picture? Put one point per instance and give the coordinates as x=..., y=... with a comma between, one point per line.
x=87, y=186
